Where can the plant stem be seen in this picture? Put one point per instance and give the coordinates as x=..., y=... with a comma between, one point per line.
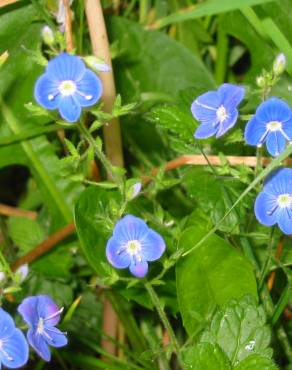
x=266, y=264
x=282, y=303
x=156, y=302
x=99, y=153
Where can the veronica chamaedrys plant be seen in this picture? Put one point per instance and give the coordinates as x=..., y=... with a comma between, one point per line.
x=42, y=315
x=67, y=85
x=13, y=345
x=217, y=110
x=271, y=124
x=133, y=244
x=274, y=204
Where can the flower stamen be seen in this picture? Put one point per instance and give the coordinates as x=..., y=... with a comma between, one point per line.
x=222, y=114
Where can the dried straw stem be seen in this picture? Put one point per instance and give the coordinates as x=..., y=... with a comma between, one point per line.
x=17, y=212
x=100, y=46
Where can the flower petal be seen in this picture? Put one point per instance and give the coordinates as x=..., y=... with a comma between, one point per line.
x=130, y=228
x=275, y=143
x=39, y=344
x=273, y=109
x=266, y=209
x=66, y=67
x=254, y=131
x=89, y=89
x=287, y=128
x=153, y=246
x=228, y=123
x=205, y=130
x=284, y=219
x=69, y=108
x=231, y=95
x=139, y=269
x=7, y=325
x=204, y=108
x=44, y=88
x=118, y=260
x=16, y=350
x=48, y=310
x=55, y=337
x=28, y=311
x=279, y=182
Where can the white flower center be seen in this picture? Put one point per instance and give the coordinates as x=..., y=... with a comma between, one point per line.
x=67, y=88
x=274, y=126
x=40, y=328
x=221, y=114
x=284, y=200
x=133, y=247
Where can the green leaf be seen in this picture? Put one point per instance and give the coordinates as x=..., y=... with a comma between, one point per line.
x=240, y=330
x=206, y=356
x=208, y=193
x=19, y=29
x=91, y=208
x=216, y=273
x=207, y=8
x=256, y=362
x=25, y=233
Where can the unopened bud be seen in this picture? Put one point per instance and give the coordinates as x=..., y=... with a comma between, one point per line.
x=48, y=35
x=260, y=81
x=3, y=58
x=21, y=273
x=97, y=64
x=279, y=64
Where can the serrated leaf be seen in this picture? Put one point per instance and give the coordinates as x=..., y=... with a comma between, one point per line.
x=206, y=356
x=240, y=330
x=256, y=362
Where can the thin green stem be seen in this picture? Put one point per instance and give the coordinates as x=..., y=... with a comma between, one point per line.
x=254, y=183
x=156, y=302
x=99, y=154
x=222, y=51
x=282, y=303
x=267, y=262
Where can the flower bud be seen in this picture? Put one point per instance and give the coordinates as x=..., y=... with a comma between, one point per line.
x=48, y=35
x=22, y=272
x=3, y=57
x=279, y=64
x=97, y=64
x=260, y=81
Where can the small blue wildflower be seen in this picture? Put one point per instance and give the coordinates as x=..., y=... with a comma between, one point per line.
x=216, y=110
x=271, y=124
x=67, y=85
x=13, y=346
x=133, y=244
x=42, y=315
x=274, y=204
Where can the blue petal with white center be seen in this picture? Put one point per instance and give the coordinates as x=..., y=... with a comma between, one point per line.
x=271, y=124
x=67, y=85
x=42, y=314
x=217, y=110
x=274, y=204
x=13, y=346
x=133, y=244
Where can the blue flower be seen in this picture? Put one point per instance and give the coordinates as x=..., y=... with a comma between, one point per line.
x=274, y=204
x=216, y=110
x=42, y=314
x=133, y=244
x=67, y=85
x=272, y=124
x=13, y=346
